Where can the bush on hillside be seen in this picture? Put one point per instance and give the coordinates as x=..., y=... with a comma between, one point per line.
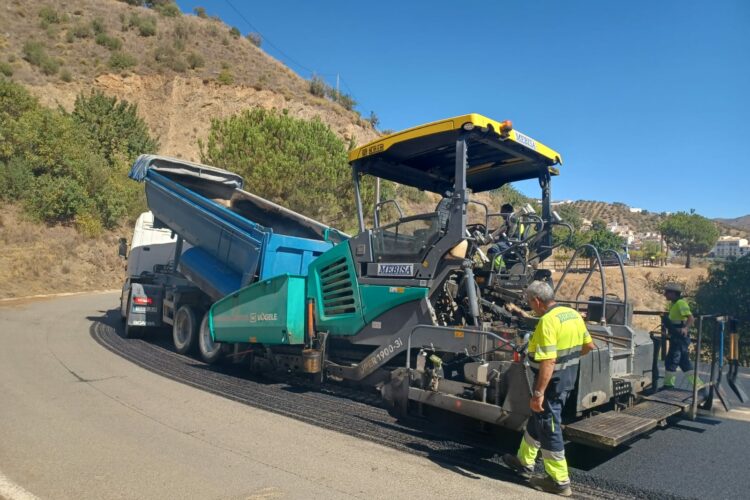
x=200, y=12
x=195, y=60
x=97, y=26
x=114, y=125
x=225, y=77
x=318, y=86
x=48, y=15
x=300, y=164
x=36, y=54
x=6, y=69
x=121, y=60
x=167, y=56
x=235, y=32
x=81, y=30
x=255, y=39
x=68, y=168
x=111, y=42
x=169, y=9
x=16, y=179
x=146, y=25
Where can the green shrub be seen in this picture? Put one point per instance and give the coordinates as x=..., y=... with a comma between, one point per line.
x=146, y=25
x=6, y=69
x=48, y=15
x=169, y=57
x=16, y=178
x=97, y=26
x=195, y=60
x=15, y=101
x=36, y=54
x=81, y=30
x=200, y=12
x=318, y=86
x=69, y=37
x=111, y=42
x=235, y=32
x=114, y=125
x=89, y=224
x=71, y=167
x=66, y=76
x=168, y=10
x=182, y=30
x=225, y=77
x=269, y=148
x=255, y=39
x=56, y=199
x=121, y=60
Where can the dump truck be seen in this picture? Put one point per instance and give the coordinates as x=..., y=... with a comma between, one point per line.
x=411, y=308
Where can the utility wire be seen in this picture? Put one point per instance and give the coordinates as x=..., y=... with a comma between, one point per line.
x=268, y=41
x=289, y=58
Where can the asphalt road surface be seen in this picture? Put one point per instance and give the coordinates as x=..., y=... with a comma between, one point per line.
x=79, y=421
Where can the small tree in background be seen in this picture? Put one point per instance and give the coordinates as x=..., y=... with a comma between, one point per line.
x=690, y=234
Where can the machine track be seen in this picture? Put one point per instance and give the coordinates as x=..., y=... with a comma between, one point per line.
x=348, y=411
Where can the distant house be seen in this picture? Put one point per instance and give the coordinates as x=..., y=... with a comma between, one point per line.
x=636, y=210
x=731, y=246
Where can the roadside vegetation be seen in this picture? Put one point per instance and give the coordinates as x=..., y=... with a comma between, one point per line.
x=300, y=164
x=71, y=168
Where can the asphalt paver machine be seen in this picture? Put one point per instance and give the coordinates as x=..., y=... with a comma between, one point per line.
x=412, y=309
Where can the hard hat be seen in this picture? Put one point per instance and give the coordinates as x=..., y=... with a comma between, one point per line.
x=673, y=287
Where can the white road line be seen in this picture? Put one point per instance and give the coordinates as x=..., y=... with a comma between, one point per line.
x=63, y=294
x=11, y=491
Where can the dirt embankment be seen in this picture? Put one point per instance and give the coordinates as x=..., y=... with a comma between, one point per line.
x=643, y=287
x=36, y=259
x=179, y=109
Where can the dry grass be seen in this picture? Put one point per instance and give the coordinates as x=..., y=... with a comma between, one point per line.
x=176, y=99
x=36, y=259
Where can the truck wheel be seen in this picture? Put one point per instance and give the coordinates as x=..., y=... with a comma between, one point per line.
x=210, y=351
x=131, y=332
x=184, y=330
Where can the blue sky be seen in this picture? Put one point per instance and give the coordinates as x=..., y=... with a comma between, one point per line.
x=647, y=101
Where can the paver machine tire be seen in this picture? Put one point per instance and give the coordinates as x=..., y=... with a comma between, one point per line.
x=210, y=351
x=185, y=330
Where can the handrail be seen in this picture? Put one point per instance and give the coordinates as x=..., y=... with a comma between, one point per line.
x=452, y=330
x=597, y=262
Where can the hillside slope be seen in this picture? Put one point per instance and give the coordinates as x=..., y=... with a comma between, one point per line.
x=643, y=221
x=742, y=223
x=187, y=72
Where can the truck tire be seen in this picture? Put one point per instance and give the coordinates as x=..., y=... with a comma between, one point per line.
x=211, y=352
x=185, y=330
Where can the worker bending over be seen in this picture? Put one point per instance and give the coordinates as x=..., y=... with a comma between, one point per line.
x=554, y=352
x=677, y=322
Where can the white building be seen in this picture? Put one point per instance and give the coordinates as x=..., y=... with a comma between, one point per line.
x=634, y=210
x=731, y=246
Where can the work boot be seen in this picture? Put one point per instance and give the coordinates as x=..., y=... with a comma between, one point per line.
x=513, y=462
x=549, y=485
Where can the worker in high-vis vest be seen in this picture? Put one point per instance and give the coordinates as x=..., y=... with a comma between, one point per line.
x=677, y=322
x=509, y=230
x=554, y=352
